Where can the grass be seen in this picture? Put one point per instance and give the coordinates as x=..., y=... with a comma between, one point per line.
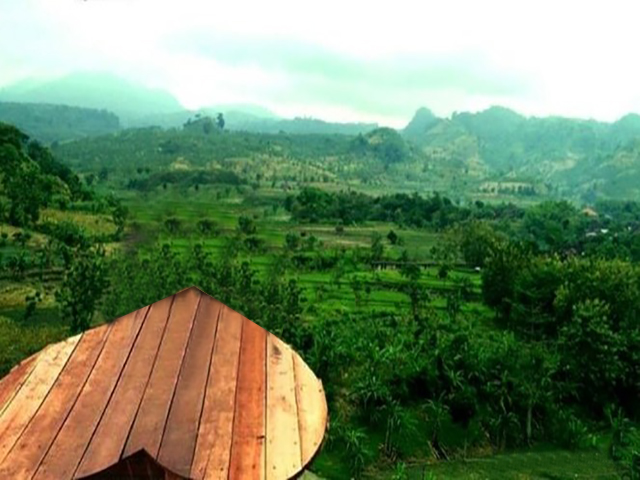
x=544, y=462
x=92, y=223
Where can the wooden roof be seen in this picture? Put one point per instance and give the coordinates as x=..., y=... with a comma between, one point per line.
x=186, y=386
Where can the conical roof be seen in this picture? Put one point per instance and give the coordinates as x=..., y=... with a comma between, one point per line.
x=186, y=387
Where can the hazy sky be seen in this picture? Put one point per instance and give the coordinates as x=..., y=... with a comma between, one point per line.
x=344, y=59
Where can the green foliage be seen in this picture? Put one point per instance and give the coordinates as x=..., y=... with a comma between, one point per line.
x=246, y=225
x=385, y=144
x=393, y=238
x=377, y=248
x=190, y=178
x=18, y=341
x=31, y=178
x=292, y=241
x=173, y=225
x=551, y=226
x=477, y=241
x=83, y=286
x=498, y=276
x=32, y=303
x=207, y=226
x=412, y=362
x=314, y=205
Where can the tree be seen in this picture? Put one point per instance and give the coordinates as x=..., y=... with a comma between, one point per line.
x=476, y=241
x=377, y=248
x=32, y=303
x=207, y=125
x=392, y=237
x=246, y=225
x=172, y=225
x=27, y=191
x=83, y=286
x=119, y=214
x=552, y=226
x=443, y=271
x=499, y=276
x=103, y=174
x=292, y=241
x=206, y=226
x=591, y=349
x=220, y=121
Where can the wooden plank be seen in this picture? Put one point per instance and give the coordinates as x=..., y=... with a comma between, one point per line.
x=179, y=441
x=28, y=452
x=248, y=446
x=213, y=447
x=28, y=400
x=13, y=381
x=136, y=467
x=312, y=409
x=148, y=427
x=112, y=431
x=62, y=459
x=283, y=454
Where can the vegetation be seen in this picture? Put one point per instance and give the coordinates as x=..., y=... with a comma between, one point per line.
x=453, y=336
x=55, y=123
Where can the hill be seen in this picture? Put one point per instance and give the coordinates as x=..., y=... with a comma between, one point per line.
x=48, y=123
x=569, y=155
x=31, y=179
x=94, y=90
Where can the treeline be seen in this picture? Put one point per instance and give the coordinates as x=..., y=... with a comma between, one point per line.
x=190, y=178
x=314, y=205
x=611, y=229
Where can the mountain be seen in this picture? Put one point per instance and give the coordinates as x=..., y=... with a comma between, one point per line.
x=95, y=90
x=421, y=122
x=48, y=123
x=571, y=155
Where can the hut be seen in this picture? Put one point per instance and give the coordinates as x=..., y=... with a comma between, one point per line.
x=185, y=388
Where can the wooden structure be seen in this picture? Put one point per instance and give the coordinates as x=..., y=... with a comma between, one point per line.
x=185, y=388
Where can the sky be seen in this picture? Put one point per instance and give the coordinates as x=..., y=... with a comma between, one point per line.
x=342, y=60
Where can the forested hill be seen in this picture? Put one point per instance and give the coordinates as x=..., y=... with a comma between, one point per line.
x=579, y=157
x=49, y=123
x=128, y=100
x=32, y=179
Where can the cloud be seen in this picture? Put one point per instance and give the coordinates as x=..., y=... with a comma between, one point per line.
x=315, y=74
x=379, y=60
